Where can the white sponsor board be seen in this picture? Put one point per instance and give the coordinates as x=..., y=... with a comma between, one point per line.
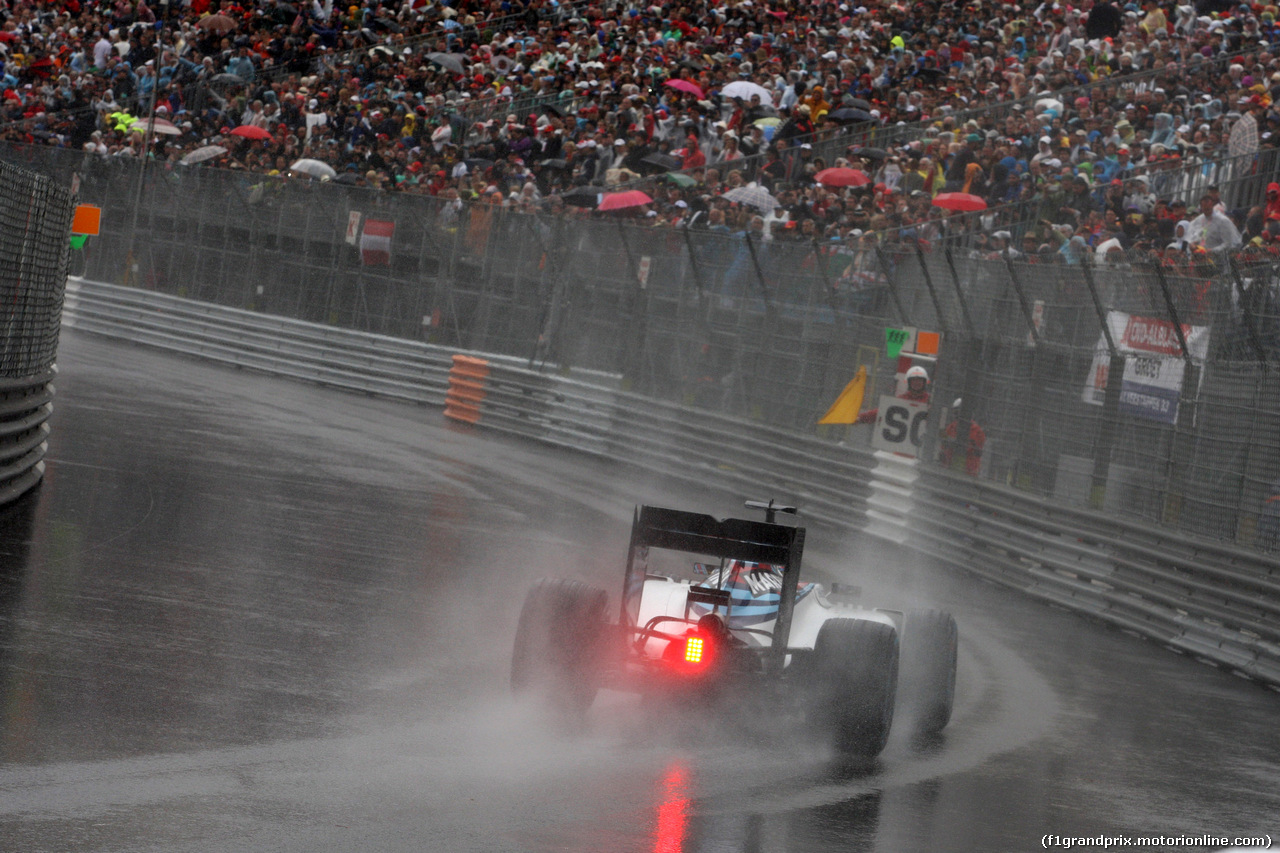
x=900, y=426
x=1154, y=366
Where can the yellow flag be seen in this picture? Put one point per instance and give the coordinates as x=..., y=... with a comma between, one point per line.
x=847, y=406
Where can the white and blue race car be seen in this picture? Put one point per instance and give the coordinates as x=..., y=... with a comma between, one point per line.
x=741, y=625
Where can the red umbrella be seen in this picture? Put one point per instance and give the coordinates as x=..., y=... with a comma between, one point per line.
x=959, y=201
x=623, y=200
x=251, y=131
x=842, y=177
x=687, y=87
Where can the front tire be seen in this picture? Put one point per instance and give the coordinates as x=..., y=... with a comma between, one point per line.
x=855, y=667
x=929, y=644
x=556, y=652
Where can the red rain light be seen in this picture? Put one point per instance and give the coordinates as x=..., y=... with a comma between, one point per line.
x=693, y=649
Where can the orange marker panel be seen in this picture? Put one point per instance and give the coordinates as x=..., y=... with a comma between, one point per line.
x=87, y=220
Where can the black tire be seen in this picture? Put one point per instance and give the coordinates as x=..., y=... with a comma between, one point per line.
x=556, y=653
x=927, y=690
x=855, y=668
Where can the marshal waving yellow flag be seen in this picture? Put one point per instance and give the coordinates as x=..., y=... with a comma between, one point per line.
x=847, y=406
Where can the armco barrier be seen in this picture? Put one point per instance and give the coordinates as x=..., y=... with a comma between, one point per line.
x=1215, y=602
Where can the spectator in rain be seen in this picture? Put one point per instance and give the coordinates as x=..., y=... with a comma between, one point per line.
x=1213, y=230
x=971, y=449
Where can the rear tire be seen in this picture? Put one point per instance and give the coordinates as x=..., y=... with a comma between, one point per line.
x=928, y=685
x=855, y=668
x=555, y=658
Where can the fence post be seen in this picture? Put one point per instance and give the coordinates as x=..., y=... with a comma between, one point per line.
x=1022, y=298
x=1110, y=401
x=960, y=297
x=933, y=291
x=1184, y=440
x=1110, y=429
x=1250, y=321
x=891, y=280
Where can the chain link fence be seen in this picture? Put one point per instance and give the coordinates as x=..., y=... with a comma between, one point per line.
x=1141, y=388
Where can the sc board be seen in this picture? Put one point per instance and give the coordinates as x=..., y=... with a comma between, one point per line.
x=900, y=426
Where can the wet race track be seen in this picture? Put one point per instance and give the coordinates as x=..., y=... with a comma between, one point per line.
x=246, y=614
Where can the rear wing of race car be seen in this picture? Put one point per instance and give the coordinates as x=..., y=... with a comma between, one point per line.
x=732, y=538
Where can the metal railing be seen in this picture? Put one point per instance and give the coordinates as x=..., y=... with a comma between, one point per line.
x=1214, y=601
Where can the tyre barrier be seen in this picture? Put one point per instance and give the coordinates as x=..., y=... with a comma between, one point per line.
x=25, y=406
x=467, y=379
x=1215, y=602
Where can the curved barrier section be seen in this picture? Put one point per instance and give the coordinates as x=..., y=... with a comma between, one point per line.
x=35, y=224
x=1213, y=601
x=1216, y=602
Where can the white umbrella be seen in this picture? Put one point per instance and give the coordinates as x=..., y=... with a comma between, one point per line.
x=745, y=89
x=451, y=61
x=206, y=152
x=753, y=195
x=314, y=168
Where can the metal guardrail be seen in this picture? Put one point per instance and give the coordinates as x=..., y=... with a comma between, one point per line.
x=1218, y=603
x=355, y=361
x=1215, y=602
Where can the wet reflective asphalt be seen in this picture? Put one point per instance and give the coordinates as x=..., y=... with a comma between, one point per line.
x=247, y=614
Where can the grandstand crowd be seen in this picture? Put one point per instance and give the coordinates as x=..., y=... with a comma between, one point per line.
x=1087, y=128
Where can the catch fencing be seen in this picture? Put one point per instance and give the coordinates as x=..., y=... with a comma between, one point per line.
x=768, y=331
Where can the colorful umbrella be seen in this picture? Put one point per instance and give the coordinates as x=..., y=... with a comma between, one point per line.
x=841, y=177
x=160, y=126
x=959, y=201
x=624, y=200
x=680, y=179
x=687, y=87
x=251, y=131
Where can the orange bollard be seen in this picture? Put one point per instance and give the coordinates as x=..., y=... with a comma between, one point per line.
x=467, y=380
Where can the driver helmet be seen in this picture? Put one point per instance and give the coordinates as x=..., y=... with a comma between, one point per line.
x=917, y=379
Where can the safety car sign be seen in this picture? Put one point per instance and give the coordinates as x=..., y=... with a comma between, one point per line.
x=900, y=426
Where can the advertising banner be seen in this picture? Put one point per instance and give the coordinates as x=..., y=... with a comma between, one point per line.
x=1153, y=372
